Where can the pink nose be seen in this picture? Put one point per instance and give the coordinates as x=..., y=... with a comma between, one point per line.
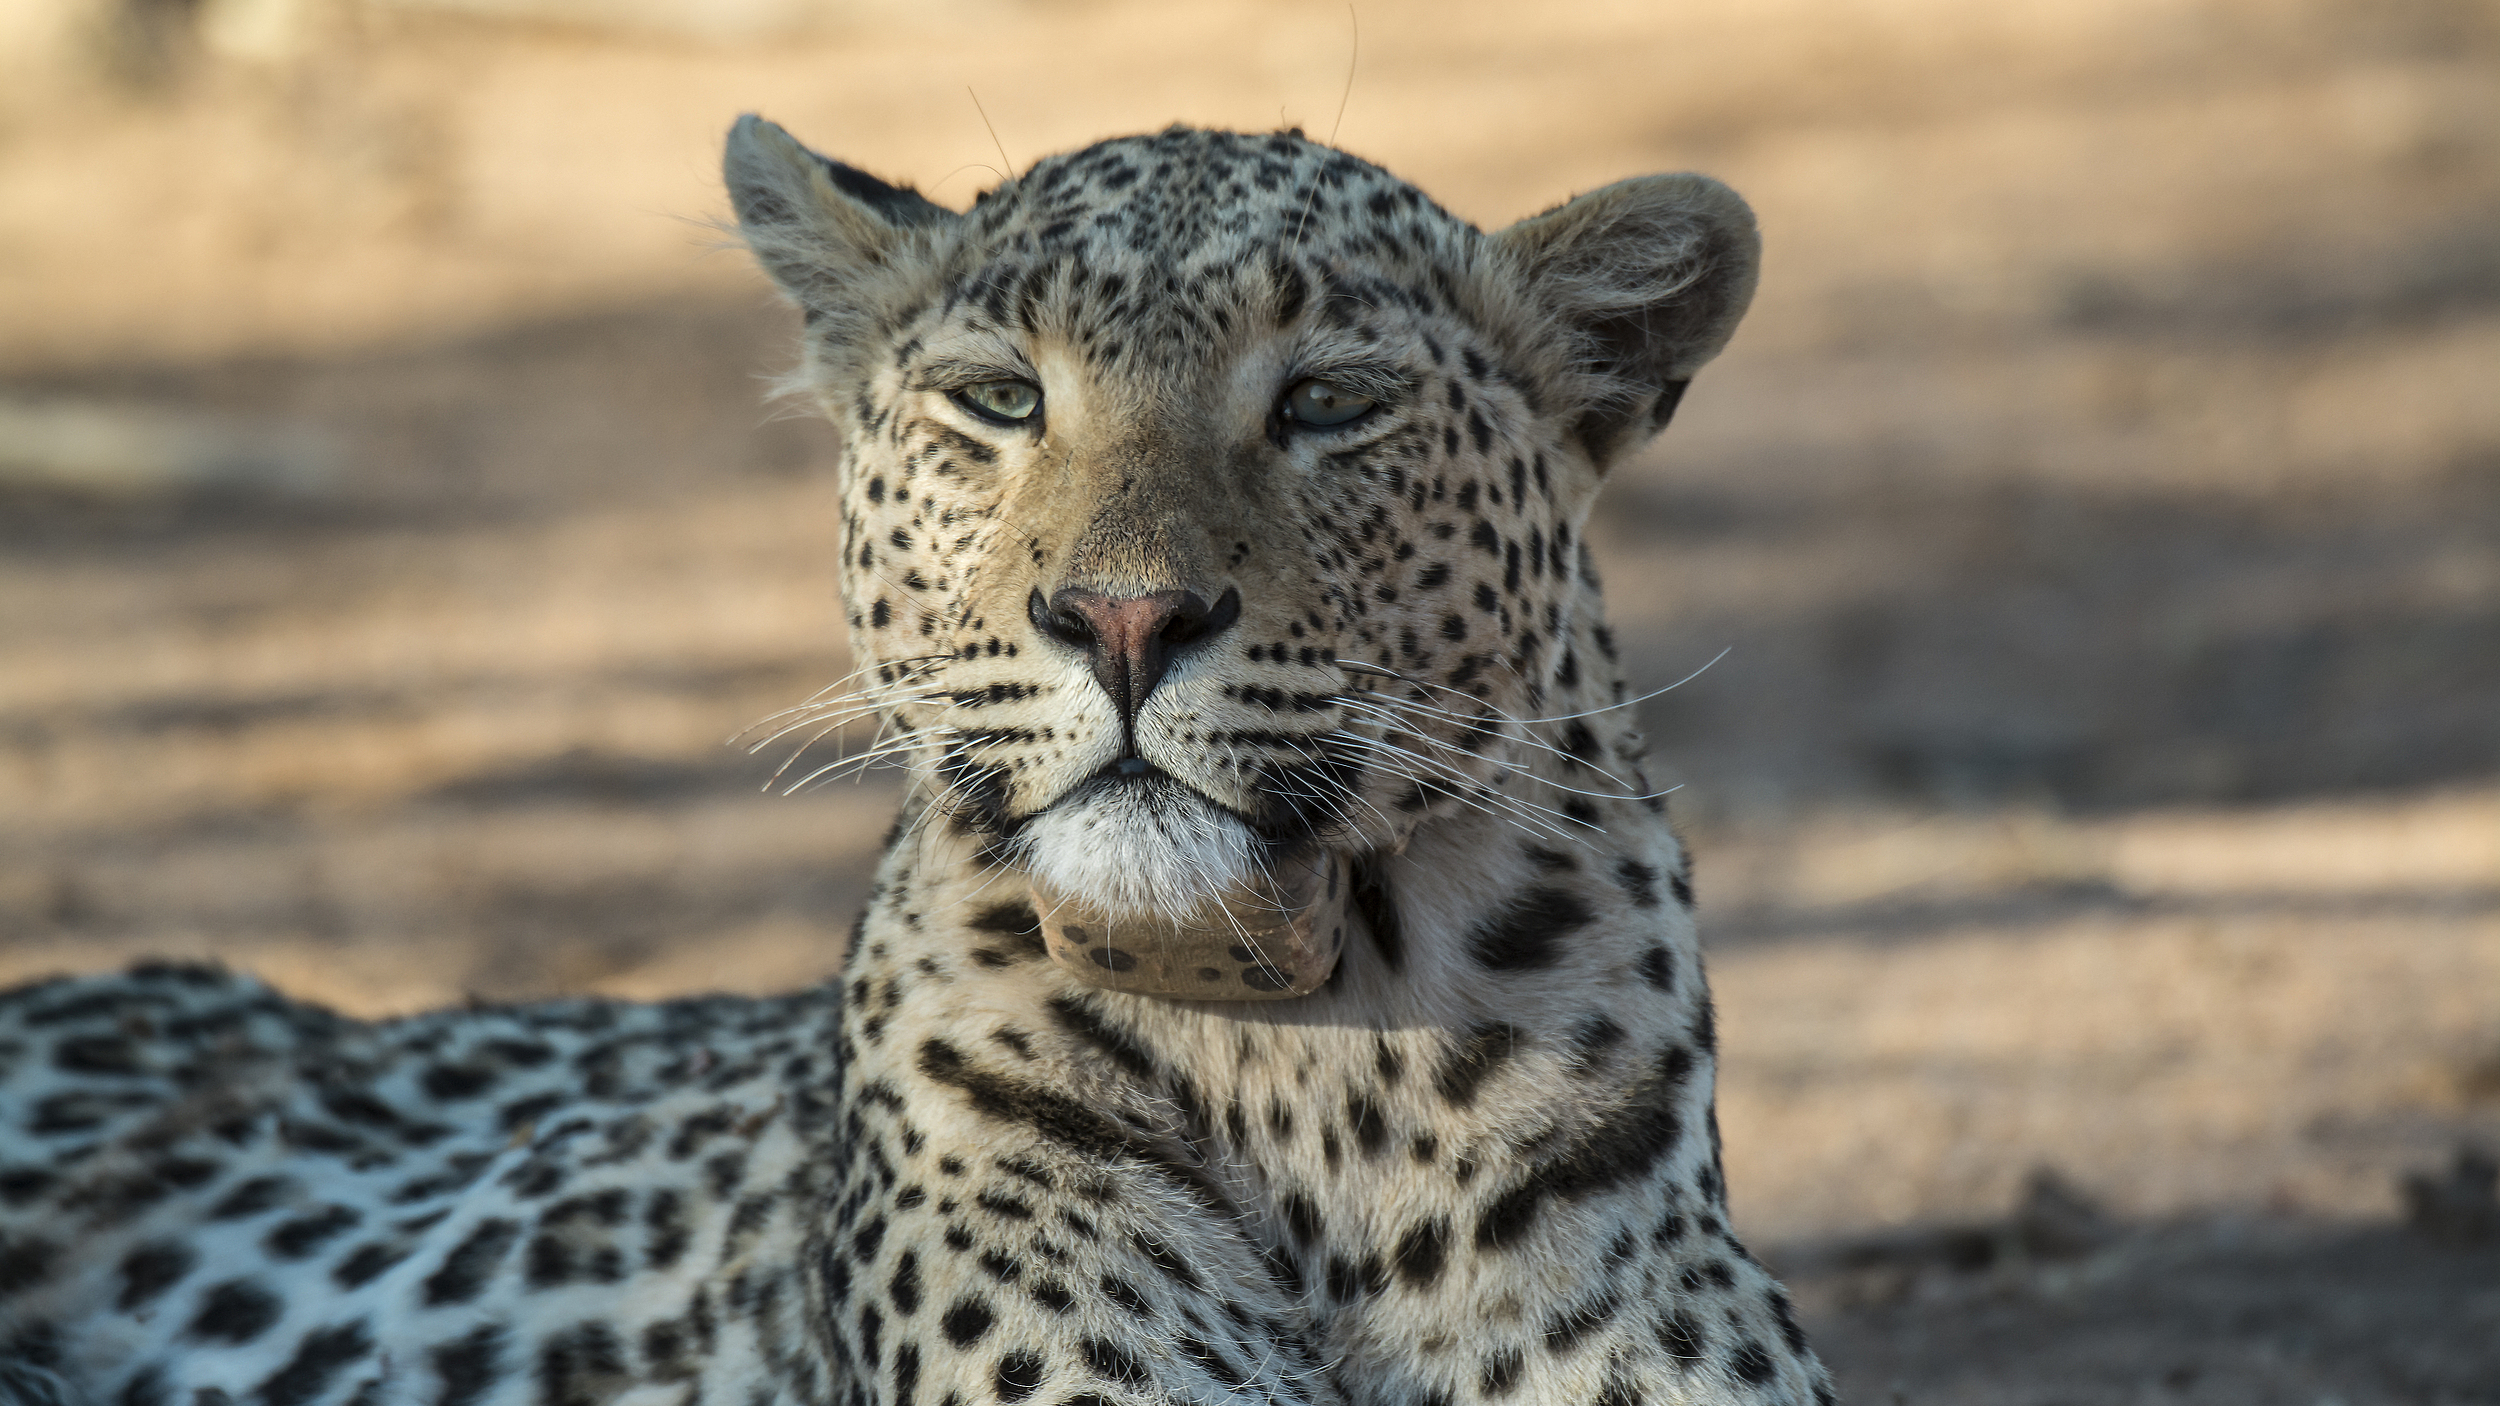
x=1130, y=639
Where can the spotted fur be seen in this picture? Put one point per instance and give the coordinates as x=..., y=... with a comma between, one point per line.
x=1478, y=1166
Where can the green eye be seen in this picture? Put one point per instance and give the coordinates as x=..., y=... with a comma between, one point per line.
x=1006, y=402
x=1318, y=402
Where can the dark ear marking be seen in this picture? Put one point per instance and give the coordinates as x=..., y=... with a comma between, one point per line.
x=902, y=206
x=1379, y=912
x=1670, y=396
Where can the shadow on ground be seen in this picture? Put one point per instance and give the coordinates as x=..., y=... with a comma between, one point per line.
x=2238, y=1311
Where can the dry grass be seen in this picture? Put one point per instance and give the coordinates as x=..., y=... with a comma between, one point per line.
x=2103, y=506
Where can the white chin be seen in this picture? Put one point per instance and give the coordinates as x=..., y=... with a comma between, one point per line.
x=1142, y=850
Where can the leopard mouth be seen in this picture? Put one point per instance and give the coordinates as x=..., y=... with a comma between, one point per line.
x=1135, y=841
x=1147, y=885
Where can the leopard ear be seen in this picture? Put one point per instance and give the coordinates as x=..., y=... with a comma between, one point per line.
x=1653, y=274
x=820, y=228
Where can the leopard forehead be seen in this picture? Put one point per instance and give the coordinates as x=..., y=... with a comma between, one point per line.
x=1185, y=197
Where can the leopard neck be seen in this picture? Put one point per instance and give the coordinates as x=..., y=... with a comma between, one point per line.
x=1518, y=1038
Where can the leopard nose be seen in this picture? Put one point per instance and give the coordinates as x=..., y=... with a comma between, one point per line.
x=1130, y=639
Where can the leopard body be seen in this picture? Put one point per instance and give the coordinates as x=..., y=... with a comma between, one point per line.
x=1480, y=1164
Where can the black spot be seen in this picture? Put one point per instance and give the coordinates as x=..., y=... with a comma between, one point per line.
x=1371, y=1130
x=1581, y=743
x=522, y=1112
x=964, y=1323
x=151, y=1269
x=1504, y=1221
x=320, y=1356
x=1372, y=903
x=72, y=1112
x=1501, y=1372
x=1017, y=1375
x=20, y=1186
x=236, y=1312
x=1014, y=922
x=904, y=1287
x=294, y=1239
x=1422, y=1251
x=1681, y=886
x=999, y=1203
x=1713, y=1273
x=524, y=1054
x=1786, y=1313
x=664, y=1218
x=1571, y=1328
x=97, y=1054
x=582, y=1366
x=1057, y=1116
x=146, y=1389
x=1386, y=1061
x=1526, y=933
x=1681, y=1336
x=1595, y=1036
x=1079, y=1018
x=368, y=1262
x=1474, y=1061
x=361, y=1109
x=1751, y=1364
x=1626, y=1145
x=906, y=1373
x=451, y=1082
x=1106, y=1360
x=1638, y=880
x=472, y=1262
x=1658, y=968
x=1618, y=1392
x=1168, y=1263
x=26, y=1262
x=663, y=1343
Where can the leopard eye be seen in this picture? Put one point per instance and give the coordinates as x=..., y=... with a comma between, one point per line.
x=1322, y=403
x=1002, y=402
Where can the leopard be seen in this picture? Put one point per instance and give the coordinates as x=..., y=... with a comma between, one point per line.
x=1213, y=517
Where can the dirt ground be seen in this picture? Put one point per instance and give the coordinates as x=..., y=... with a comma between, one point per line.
x=2097, y=807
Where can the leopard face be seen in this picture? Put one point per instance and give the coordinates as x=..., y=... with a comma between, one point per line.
x=1211, y=498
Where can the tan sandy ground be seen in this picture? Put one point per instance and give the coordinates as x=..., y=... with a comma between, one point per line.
x=2102, y=511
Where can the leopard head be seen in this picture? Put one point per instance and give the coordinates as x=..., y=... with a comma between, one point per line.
x=1211, y=500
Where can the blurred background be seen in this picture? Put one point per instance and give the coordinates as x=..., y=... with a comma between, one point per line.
x=2098, y=807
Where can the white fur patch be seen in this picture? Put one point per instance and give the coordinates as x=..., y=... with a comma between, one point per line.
x=1156, y=849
